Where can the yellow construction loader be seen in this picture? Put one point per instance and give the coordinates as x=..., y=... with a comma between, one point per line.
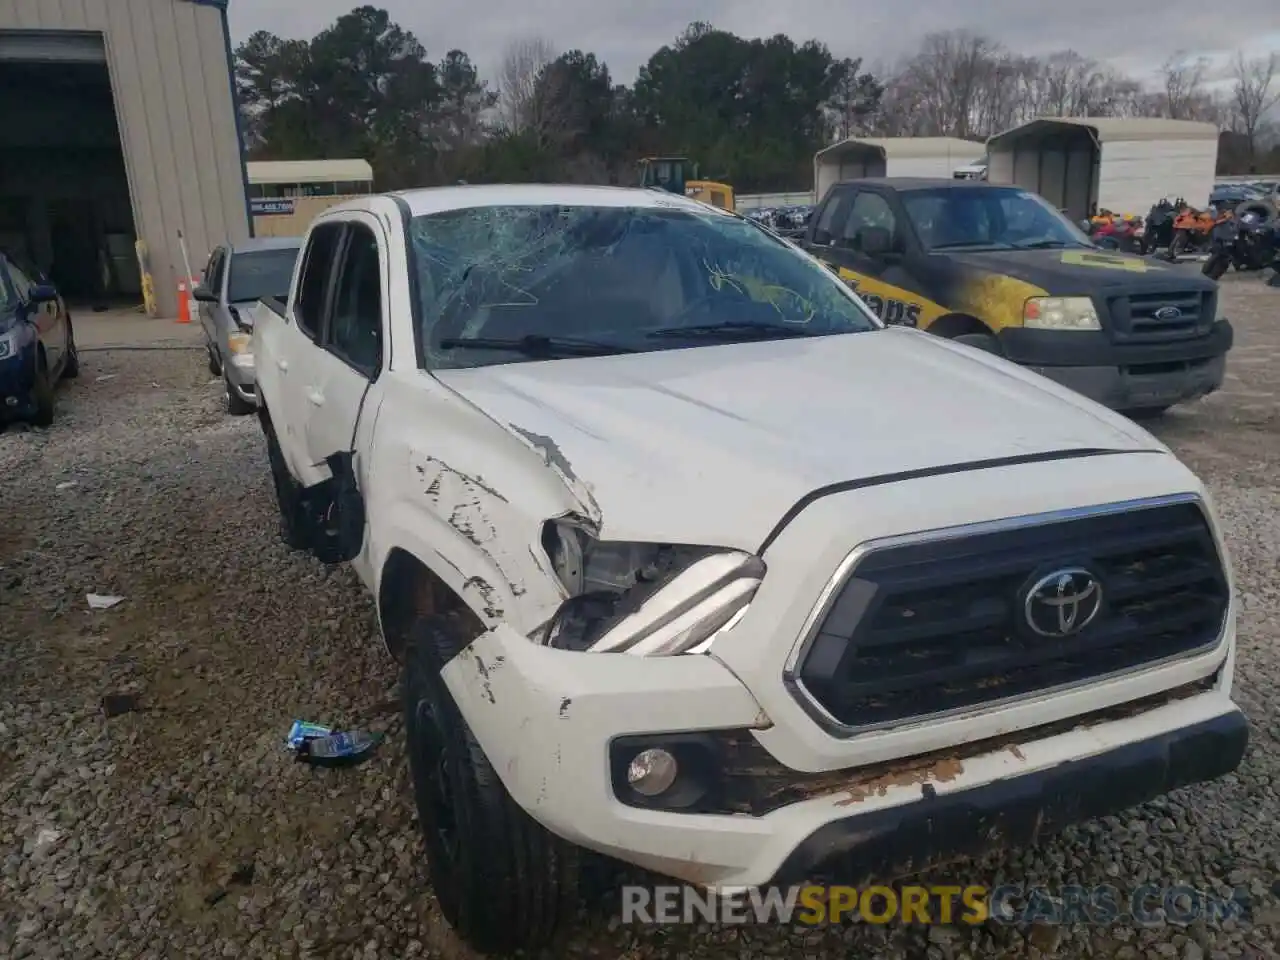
x=679, y=175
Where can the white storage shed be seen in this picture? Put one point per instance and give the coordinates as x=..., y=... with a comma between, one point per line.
x=1080, y=164
x=890, y=157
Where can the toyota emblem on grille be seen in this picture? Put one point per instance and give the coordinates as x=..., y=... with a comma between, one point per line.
x=1168, y=313
x=1063, y=603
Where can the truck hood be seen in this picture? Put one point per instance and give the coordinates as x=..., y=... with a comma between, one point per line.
x=1079, y=270
x=712, y=445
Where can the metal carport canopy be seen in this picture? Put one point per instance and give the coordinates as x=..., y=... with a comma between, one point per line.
x=1080, y=164
x=1113, y=129
x=946, y=152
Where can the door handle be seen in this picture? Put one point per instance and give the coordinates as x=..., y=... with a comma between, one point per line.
x=283, y=365
x=316, y=397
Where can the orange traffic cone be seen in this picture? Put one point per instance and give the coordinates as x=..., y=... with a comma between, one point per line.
x=184, y=304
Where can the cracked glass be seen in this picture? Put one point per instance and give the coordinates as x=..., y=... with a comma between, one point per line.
x=616, y=279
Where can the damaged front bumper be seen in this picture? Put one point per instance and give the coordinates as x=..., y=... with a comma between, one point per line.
x=550, y=722
x=1018, y=809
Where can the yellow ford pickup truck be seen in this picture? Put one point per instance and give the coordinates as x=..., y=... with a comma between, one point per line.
x=998, y=268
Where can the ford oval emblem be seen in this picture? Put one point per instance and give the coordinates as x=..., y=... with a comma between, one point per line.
x=1168, y=313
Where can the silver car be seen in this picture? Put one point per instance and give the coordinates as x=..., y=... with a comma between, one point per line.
x=235, y=278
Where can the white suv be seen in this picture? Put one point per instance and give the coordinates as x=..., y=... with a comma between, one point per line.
x=693, y=563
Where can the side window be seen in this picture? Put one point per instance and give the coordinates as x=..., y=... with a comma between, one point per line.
x=213, y=272
x=833, y=212
x=355, y=326
x=8, y=297
x=868, y=210
x=313, y=286
x=21, y=285
x=209, y=266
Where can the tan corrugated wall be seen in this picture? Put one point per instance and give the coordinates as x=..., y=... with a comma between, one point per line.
x=305, y=209
x=168, y=65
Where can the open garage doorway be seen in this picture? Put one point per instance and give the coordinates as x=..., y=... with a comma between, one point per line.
x=65, y=208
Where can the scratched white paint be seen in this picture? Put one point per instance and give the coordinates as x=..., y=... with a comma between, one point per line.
x=714, y=445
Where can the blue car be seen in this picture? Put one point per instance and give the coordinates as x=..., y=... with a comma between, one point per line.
x=37, y=346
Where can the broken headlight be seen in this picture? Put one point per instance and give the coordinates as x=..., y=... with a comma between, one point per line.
x=646, y=599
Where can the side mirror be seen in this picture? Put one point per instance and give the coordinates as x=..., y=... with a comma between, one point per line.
x=822, y=237
x=877, y=242
x=43, y=293
x=203, y=294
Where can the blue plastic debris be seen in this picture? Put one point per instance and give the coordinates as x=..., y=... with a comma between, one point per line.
x=339, y=750
x=302, y=731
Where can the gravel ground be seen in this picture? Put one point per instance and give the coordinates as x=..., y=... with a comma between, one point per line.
x=183, y=830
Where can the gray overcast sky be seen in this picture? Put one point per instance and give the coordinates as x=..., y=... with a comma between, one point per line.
x=1135, y=35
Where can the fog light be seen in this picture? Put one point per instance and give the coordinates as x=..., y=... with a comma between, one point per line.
x=652, y=771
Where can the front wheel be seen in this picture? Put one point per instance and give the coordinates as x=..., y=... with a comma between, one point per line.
x=1147, y=413
x=71, y=366
x=42, y=393
x=1179, y=245
x=294, y=527
x=503, y=881
x=1216, y=266
x=236, y=405
x=980, y=341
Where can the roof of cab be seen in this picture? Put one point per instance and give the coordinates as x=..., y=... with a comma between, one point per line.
x=924, y=183
x=440, y=199
x=266, y=243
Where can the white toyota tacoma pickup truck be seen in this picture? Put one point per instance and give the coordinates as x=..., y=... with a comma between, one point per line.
x=691, y=562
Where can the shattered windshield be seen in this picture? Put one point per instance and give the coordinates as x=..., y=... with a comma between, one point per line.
x=956, y=217
x=493, y=281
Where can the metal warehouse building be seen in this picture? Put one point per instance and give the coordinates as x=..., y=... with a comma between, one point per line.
x=119, y=126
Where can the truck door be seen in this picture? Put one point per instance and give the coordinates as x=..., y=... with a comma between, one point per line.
x=294, y=345
x=341, y=375
x=212, y=281
x=870, y=250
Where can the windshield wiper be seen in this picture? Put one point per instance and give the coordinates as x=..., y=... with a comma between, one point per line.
x=537, y=345
x=732, y=330
x=959, y=244
x=1048, y=245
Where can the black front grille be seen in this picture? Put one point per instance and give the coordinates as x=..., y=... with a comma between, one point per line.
x=1148, y=317
x=933, y=627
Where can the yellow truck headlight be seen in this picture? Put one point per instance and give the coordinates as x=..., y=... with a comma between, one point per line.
x=1060, y=313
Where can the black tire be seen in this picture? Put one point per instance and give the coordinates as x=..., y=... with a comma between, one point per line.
x=236, y=405
x=42, y=392
x=478, y=839
x=1265, y=209
x=294, y=523
x=982, y=341
x=1147, y=413
x=215, y=367
x=1216, y=266
x=71, y=365
x=1179, y=245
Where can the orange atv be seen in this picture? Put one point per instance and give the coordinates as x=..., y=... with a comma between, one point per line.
x=1192, y=230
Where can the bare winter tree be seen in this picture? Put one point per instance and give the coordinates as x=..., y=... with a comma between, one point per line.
x=1183, y=82
x=1253, y=96
x=519, y=90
